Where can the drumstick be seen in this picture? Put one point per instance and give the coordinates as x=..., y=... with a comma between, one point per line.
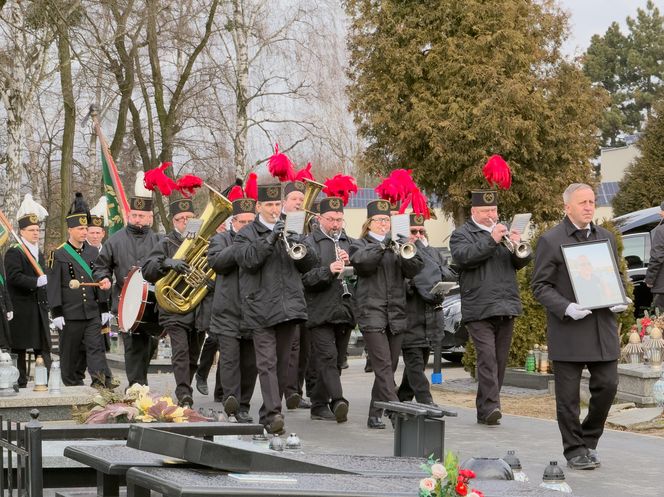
x=75, y=284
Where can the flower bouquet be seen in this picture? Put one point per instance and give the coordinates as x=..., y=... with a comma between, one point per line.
x=447, y=480
x=136, y=405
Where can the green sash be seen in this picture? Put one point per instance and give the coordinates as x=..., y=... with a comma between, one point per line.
x=2, y=280
x=79, y=260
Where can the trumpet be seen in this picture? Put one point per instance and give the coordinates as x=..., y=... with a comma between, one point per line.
x=406, y=250
x=344, y=284
x=520, y=250
x=296, y=251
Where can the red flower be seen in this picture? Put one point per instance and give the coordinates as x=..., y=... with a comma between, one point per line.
x=467, y=473
x=461, y=488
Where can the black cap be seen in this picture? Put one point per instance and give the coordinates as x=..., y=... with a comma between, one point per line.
x=28, y=220
x=395, y=206
x=334, y=204
x=269, y=193
x=182, y=205
x=417, y=220
x=244, y=206
x=79, y=213
x=294, y=186
x=377, y=208
x=140, y=204
x=484, y=198
x=96, y=221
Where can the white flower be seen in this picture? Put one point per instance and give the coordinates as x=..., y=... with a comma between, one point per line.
x=438, y=471
x=428, y=484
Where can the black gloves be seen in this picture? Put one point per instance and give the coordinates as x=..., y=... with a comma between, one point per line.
x=387, y=241
x=294, y=237
x=276, y=232
x=177, y=265
x=402, y=239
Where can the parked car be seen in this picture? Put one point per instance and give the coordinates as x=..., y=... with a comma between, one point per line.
x=455, y=332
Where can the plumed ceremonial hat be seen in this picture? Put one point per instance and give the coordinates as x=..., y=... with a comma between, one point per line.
x=269, y=193
x=79, y=213
x=484, y=198
x=182, y=205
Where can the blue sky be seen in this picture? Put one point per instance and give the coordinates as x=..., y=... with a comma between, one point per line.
x=589, y=17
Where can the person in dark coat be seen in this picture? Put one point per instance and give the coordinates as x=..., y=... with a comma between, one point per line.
x=489, y=296
x=78, y=313
x=577, y=337
x=125, y=249
x=186, y=341
x=272, y=298
x=381, y=301
x=237, y=356
x=655, y=272
x=27, y=290
x=330, y=308
x=6, y=310
x=424, y=315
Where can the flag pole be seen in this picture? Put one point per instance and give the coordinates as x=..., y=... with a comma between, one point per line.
x=35, y=265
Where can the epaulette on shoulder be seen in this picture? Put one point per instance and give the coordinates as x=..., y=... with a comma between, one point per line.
x=49, y=260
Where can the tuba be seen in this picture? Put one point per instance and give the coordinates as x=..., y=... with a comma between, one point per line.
x=181, y=293
x=311, y=190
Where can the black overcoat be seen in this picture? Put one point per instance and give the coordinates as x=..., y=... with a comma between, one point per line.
x=593, y=338
x=655, y=271
x=5, y=307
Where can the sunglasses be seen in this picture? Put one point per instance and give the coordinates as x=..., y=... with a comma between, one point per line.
x=416, y=231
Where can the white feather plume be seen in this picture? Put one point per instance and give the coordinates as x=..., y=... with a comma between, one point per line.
x=139, y=186
x=29, y=206
x=101, y=209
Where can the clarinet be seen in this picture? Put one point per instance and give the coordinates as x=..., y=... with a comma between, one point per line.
x=346, y=293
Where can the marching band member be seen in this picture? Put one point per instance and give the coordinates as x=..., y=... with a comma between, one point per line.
x=123, y=250
x=27, y=290
x=185, y=339
x=381, y=298
x=237, y=357
x=78, y=313
x=97, y=227
x=273, y=298
x=330, y=309
x=6, y=309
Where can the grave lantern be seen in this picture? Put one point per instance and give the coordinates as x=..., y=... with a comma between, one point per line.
x=8, y=375
x=554, y=478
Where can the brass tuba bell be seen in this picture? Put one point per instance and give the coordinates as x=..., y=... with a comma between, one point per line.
x=311, y=190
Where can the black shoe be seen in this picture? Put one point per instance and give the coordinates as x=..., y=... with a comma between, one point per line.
x=304, y=404
x=244, y=417
x=376, y=423
x=276, y=426
x=201, y=385
x=594, y=457
x=293, y=401
x=186, y=401
x=231, y=405
x=322, y=413
x=344, y=365
x=581, y=462
x=368, y=368
x=340, y=410
x=493, y=419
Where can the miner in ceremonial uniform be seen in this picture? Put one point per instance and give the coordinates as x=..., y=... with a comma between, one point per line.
x=186, y=341
x=6, y=309
x=272, y=298
x=26, y=285
x=237, y=358
x=96, y=232
x=78, y=309
x=123, y=250
x=330, y=309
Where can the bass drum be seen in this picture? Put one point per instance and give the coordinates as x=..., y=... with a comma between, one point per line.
x=137, y=309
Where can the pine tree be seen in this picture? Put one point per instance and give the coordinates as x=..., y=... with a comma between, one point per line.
x=440, y=85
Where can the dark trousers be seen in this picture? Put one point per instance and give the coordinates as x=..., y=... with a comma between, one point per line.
x=237, y=363
x=414, y=382
x=273, y=352
x=210, y=347
x=185, y=348
x=383, y=349
x=329, y=345
x=88, y=332
x=21, y=363
x=578, y=436
x=138, y=351
x=658, y=301
x=492, y=338
x=299, y=370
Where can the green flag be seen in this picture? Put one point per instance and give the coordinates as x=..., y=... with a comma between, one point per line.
x=114, y=216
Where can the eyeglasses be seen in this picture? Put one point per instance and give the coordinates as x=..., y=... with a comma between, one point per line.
x=333, y=219
x=182, y=219
x=416, y=231
x=380, y=220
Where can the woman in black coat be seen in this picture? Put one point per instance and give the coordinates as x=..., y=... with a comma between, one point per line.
x=381, y=301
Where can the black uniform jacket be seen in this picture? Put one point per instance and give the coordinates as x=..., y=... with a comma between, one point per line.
x=424, y=318
x=323, y=289
x=227, y=308
x=5, y=307
x=487, y=274
x=655, y=271
x=381, y=286
x=270, y=281
x=593, y=338
x=153, y=271
x=29, y=328
x=82, y=303
x=124, y=249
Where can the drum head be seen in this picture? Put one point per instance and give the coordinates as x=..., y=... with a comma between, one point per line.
x=132, y=300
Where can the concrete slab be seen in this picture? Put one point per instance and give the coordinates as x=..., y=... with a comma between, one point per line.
x=52, y=407
x=630, y=417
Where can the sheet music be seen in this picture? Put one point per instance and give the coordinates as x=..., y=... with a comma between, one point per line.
x=400, y=226
x=520, y=223
x=192, y=228
x=295, y=222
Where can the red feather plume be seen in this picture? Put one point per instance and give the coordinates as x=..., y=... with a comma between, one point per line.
x=156, y=178
x=188, y=183
x=399, y=186
x=235, y=193
x=280, y=166
x=340, y=186
x=305, y=173
x=497, y=172
x=251, y=188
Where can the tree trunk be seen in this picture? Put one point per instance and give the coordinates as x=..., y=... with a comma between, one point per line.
x=64, y=58
x=15, y=108
x=240, y=40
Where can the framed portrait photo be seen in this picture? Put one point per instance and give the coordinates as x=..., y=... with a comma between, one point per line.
x=594, y=274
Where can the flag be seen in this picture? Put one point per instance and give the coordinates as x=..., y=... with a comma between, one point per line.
x=118, y=206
